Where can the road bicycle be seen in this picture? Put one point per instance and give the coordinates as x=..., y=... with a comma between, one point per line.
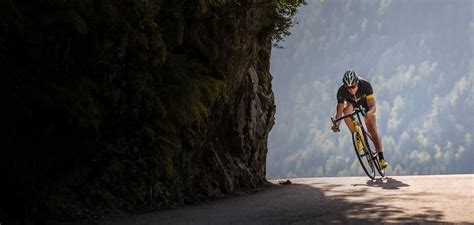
x=363, y=144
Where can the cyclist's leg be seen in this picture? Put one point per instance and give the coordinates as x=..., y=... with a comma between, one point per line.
x=348, y=108
x=371, y=125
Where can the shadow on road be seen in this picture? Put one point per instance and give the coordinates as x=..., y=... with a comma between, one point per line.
x=315, y=207
x=292, y=204
x=386, y=183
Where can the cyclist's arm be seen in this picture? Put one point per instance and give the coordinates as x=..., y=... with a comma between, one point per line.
x=371, y=104
x=370, y=98
x=340, y=104
x=339, y=111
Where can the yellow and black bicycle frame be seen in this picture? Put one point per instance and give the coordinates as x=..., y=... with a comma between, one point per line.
x=360, y=137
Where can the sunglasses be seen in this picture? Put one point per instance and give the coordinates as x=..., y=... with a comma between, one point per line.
x=351, y=87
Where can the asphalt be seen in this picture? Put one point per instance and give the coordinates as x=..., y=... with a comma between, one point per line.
x=442, y=199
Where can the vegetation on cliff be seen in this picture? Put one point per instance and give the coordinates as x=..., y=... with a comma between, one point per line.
x=109, y=101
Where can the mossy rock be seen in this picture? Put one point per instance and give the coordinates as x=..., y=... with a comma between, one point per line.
x=169, y=147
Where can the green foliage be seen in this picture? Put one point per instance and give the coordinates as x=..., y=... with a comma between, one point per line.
x=280, y=18
x=211, y=89
x=122, y=77
x=285, y=11
x=191, y=97
x=170, y=148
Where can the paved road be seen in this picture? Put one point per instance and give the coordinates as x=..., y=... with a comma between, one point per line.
x=356, y=200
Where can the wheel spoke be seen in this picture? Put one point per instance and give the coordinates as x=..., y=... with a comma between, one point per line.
x=375, y=156
x=365, y=159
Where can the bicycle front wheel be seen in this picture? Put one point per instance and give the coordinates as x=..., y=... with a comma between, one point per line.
x=365, y=157
x=375, y=157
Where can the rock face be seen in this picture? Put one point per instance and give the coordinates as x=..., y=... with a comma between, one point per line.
x=115, y=106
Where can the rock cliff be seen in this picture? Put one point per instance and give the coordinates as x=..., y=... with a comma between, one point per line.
x=116, y=106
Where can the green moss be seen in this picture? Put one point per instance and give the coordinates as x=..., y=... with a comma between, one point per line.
x=195, y=97
x=211, y=89
x=189, y=108
x=190, y=90
x=203, y=6
x=170, y=148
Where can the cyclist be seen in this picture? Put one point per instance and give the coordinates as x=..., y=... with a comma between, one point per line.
x=353, y=92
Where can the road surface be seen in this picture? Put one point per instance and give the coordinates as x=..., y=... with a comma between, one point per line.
x=354, y=200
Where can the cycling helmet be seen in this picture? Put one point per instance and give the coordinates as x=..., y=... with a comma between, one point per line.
x=350, y=78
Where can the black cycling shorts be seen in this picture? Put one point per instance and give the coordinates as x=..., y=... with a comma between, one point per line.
x=362, y=102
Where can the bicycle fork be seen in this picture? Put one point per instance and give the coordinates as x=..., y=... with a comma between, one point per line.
x=360, y=142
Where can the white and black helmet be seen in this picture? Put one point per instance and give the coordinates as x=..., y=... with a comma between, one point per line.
x=350, y=78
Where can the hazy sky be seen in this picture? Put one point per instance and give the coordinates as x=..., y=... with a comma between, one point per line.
x=418, y=55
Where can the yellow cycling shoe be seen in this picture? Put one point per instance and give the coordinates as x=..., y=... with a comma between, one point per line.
x=383, y=163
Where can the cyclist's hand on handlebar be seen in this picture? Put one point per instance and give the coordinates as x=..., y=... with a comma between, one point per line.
x=335, y=128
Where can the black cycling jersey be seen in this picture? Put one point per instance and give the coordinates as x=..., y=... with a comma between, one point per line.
x=364, y=92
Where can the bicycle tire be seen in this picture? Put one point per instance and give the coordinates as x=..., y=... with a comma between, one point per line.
x=371, y=146
x=366, y=159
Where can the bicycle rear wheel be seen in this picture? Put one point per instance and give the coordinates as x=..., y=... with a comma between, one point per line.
x=376, y=158
x=365, y=159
